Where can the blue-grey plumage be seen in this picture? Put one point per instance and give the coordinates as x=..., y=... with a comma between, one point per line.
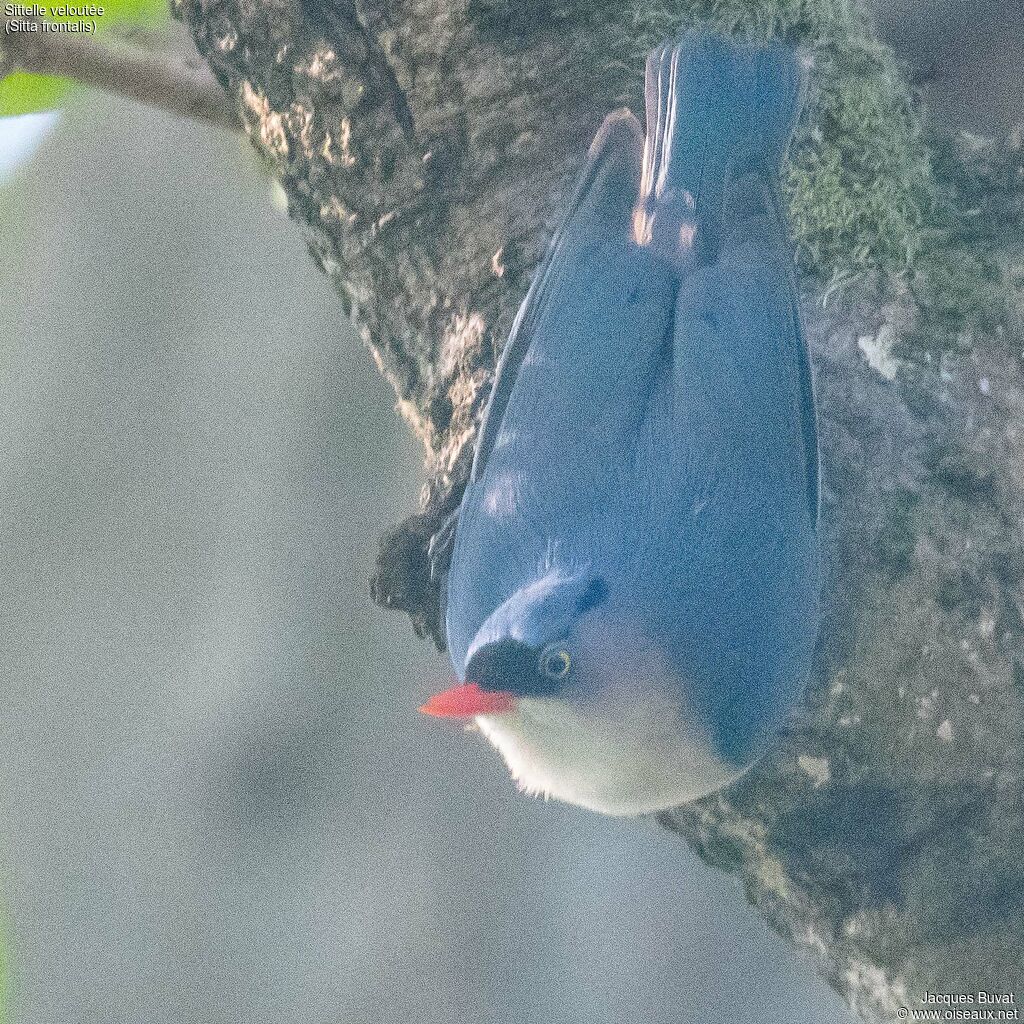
x=634, y=581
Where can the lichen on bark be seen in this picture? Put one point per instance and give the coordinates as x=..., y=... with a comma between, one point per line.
x=426, y=148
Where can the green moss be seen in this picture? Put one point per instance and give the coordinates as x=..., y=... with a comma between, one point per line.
x=959, y=292
x=960, y=281
x=859, y=176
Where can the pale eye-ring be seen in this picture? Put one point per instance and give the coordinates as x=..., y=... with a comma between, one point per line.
x=555, y=663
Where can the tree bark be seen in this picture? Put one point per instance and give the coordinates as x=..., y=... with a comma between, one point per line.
x=156, y=79
x=426, y=147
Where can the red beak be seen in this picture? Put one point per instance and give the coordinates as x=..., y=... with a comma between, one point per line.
x=467, y=700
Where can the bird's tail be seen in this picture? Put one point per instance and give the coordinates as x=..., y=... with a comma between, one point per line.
x=717, y=109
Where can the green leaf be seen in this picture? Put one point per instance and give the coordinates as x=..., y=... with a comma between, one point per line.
x=22, y=93
x=141, y=12
x=27, y=94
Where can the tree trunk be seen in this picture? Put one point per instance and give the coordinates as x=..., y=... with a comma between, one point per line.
x=426, y=148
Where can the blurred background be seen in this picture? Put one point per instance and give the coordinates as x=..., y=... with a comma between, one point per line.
x=968, y=56
x=219, y=802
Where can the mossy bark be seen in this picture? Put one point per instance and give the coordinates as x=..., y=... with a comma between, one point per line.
x=426, y=147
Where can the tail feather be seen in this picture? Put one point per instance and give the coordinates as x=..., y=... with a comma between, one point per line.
x=716, y=109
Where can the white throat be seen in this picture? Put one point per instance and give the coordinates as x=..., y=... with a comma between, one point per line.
x=621, y=765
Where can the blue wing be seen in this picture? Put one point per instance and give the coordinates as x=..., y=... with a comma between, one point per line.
x=587, y=348
x=561, y=339
x=734, y=450
x=743, y=409
x=744, y=491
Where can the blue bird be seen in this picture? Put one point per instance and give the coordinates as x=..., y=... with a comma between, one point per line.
x=632, y=600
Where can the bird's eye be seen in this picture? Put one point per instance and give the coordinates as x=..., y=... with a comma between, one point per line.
x=555, y=663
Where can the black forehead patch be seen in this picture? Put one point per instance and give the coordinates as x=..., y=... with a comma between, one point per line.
x=595, y=594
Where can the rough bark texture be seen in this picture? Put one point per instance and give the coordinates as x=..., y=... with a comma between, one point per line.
x=425, y=146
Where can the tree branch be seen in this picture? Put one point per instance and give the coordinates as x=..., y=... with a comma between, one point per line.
x=426, y=148
x=157, y=80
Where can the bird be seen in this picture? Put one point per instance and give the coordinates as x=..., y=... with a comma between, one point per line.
x=633, y=594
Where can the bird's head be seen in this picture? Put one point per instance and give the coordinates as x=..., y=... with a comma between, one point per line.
x=583, y=700
x=532, y=646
